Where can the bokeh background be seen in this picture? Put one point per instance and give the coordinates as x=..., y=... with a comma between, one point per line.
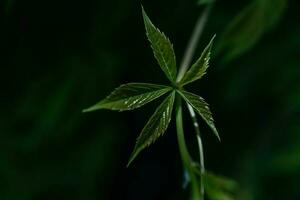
x=61, y=56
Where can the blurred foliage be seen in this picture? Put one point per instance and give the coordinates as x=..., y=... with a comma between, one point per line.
x=249, y=25
x=60, y=56
x=219, y=188
x=203, y=2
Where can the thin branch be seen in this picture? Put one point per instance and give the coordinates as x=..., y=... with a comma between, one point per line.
x=186, y=61
x=186, y=159
x=190, y=50
x=200, y=147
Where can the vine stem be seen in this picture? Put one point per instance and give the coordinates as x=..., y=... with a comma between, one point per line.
x=186, y=61
x=200, y=146
x=191, y=47
x=186, y=159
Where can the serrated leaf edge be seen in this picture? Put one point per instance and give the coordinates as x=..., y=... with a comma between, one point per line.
x=212, y=126
x=170, y=76
x=204, y=55
x=100, y=104
x=137, y=149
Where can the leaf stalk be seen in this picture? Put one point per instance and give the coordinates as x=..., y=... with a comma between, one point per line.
x=186, y=159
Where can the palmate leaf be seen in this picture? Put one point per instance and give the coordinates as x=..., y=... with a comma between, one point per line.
x=198, y=69
x=162, y=49
x=201, y=107
x=130, y=96
x=155, y=127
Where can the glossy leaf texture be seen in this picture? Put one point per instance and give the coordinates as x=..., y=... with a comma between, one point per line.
x=219, y=187
x=248, y=27
x=201, y=107
x=155, y=127
x=162, y=49
x=198, y=69
x=130, y=96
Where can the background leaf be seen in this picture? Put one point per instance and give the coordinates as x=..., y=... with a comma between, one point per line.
x=219, y=187
x=130, y=96
x=198, y=69
x=155, y=127
x=201, y=107
x=248, y=27
x=162, y=49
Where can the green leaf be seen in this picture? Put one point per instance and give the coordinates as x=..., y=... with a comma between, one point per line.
x=201, y=107
x=162, y=49
x=220, y=181
x=130, y=96
x=248, y=27
x=198, y=69
x=156, y=126
x=219, y=187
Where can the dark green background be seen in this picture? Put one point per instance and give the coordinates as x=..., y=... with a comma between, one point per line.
x=61, y=56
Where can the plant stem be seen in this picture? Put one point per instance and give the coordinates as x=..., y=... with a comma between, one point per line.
x=186, y=61
x=186, y=159
x=190, y=50
x=200, y=146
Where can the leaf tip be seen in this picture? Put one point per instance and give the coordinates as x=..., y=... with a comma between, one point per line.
x=215, y=131
x=219, y=138
x=143, y=10
x=212, y=39
x=86, y=110
x=145, y=16
x=217, y=134
x=129, y=163
x=215, y=35
x=90, y=109
x=132, y=157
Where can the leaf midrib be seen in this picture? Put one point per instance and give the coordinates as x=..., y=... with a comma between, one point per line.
x=164, y=60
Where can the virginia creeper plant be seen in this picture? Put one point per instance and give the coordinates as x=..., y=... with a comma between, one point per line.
x=134, y=95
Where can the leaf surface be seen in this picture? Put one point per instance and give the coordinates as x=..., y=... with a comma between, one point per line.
x=201, y=107
x=130, y=96
x=198, y=69
x=155, y=127
x=162, y=49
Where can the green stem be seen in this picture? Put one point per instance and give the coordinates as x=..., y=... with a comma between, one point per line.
x=186, y=61
x=191, y=47
x=186, y=159
x=200, y=146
